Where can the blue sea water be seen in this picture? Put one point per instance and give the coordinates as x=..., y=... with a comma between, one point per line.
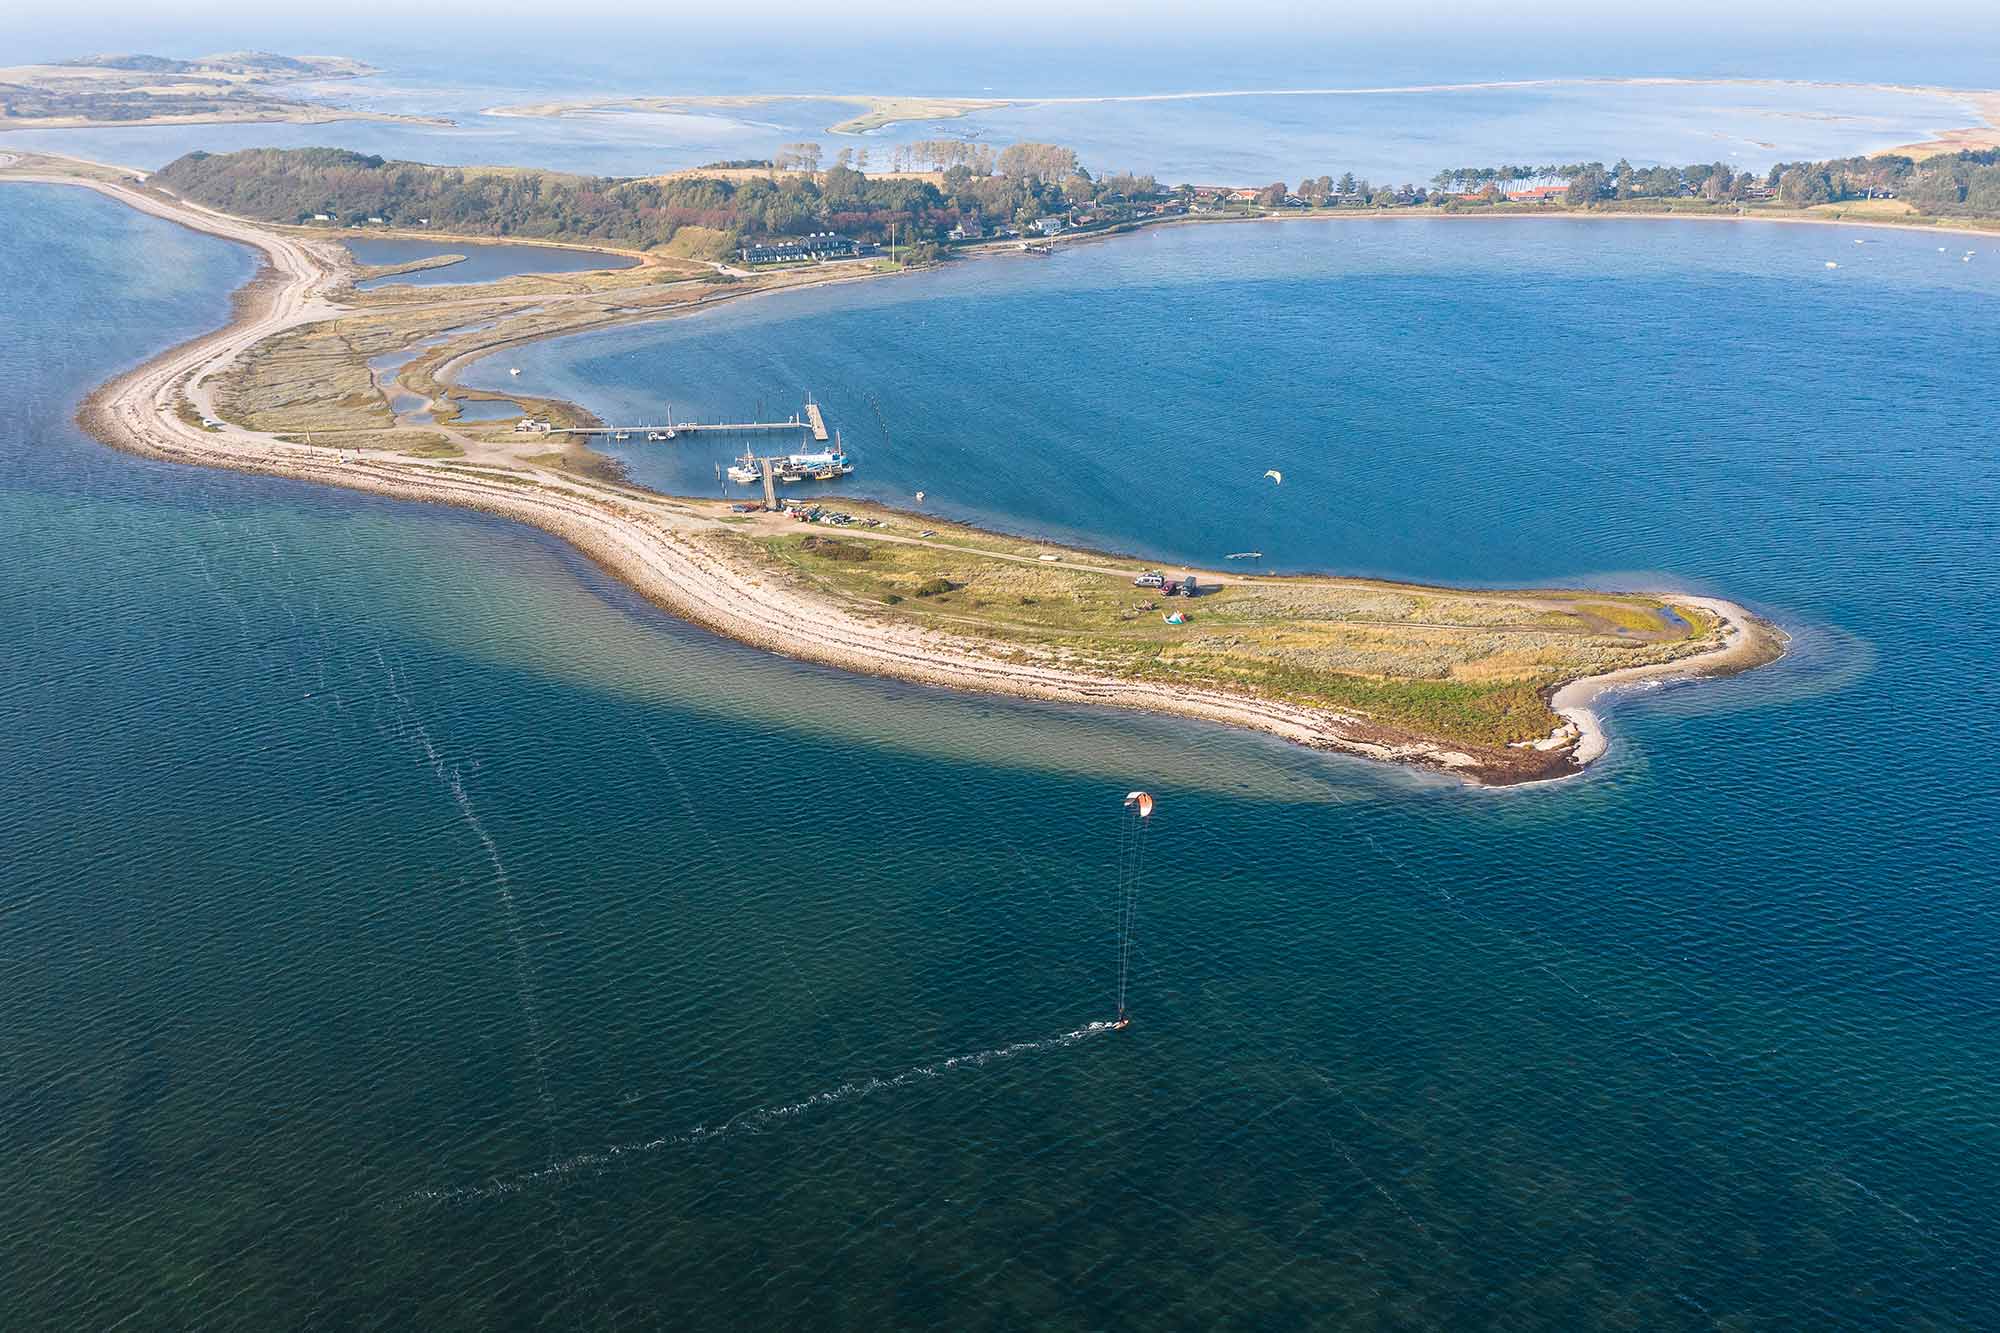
x=400, y=924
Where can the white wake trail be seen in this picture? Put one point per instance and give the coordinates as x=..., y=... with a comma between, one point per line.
x=752, y=1121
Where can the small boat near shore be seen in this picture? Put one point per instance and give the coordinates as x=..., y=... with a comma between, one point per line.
x=826, y=465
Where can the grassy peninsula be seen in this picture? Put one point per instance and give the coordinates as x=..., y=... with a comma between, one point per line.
x=1484, y=684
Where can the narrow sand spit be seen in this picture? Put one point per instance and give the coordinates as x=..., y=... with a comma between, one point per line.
x=656, y=546
x=1747, y=642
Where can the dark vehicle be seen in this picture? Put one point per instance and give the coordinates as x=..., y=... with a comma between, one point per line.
x=1190, y=587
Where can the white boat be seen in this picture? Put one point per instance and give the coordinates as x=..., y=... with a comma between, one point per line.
x=514, y=371
x=744, y=471
x=824, y=466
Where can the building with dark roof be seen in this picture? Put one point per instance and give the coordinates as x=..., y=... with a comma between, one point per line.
x=804, y=249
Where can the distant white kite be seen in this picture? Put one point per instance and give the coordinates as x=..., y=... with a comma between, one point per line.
x=1276, y=476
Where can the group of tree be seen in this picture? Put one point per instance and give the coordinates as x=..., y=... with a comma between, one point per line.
x=980, y=190
x=1950, y=184
x=1964, y=183
x=1019, y=184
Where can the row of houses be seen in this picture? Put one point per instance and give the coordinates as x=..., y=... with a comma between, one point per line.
x=358, y=222
x=806, y=249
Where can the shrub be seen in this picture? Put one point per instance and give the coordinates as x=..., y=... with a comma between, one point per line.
x=828, y=548
x=934, y=587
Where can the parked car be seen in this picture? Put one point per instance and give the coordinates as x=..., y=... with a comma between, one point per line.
x=1150, y=579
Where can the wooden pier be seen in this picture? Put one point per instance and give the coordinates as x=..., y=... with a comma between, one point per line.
x=813, y=421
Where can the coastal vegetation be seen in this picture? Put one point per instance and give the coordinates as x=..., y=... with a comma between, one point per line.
x=306, y=185
x=1956, y=184
x=1473, y=668
x=973, y=193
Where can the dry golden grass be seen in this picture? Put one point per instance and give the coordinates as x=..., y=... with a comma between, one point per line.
x=310, y=379
x=1468, y=667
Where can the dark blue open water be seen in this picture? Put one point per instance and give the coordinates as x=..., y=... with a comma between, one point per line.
x=388, y=900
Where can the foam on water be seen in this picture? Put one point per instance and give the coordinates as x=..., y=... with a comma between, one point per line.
x=755, y=1120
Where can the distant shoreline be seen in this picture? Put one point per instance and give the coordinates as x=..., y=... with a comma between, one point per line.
x=301, y=116
x=883, y=110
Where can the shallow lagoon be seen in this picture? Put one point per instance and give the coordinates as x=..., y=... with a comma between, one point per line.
x=482, y=262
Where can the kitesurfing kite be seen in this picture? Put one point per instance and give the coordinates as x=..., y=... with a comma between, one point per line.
x=1131, y=859
x=1276, y=476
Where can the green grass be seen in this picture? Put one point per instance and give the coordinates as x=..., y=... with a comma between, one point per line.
x=1466, y=667
x=433, y=447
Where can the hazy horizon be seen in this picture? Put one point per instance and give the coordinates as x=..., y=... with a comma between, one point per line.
x=1041, y=49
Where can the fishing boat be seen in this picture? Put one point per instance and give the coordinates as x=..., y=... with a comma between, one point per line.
x=744, y=471
x=829, y=465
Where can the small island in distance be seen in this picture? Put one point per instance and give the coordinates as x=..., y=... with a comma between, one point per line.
x=244, y=86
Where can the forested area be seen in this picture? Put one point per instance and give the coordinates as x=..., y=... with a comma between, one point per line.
x=302, y=185
x=1947, y=185
x=978, y=190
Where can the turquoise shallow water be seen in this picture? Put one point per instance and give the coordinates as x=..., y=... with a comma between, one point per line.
x=401, y=924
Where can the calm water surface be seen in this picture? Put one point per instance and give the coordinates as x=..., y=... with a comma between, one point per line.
x=482, y=263
x=402, y=925
x=1387, y=137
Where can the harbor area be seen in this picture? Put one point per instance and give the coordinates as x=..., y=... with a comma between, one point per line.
x=809, y=421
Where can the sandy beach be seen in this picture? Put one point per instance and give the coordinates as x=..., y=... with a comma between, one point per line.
x=1749, y=642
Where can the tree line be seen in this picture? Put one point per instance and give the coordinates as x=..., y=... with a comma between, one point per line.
x=303, y=185
x=1964, y=183
x=980, y=190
